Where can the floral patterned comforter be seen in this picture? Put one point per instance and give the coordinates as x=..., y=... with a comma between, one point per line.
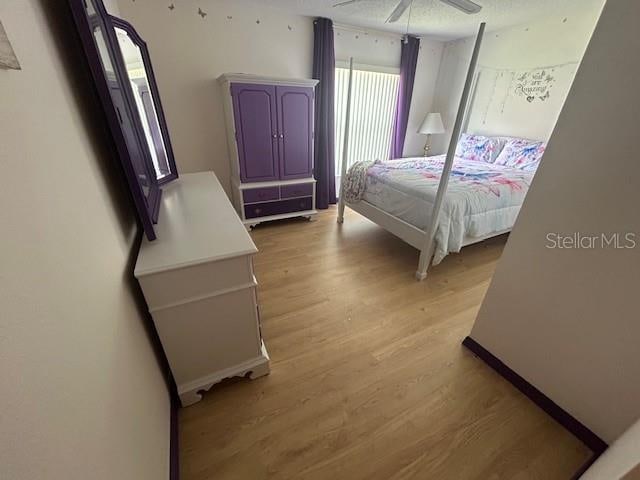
x=482, y=198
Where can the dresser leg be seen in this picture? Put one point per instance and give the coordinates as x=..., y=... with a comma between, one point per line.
x=189, y=398
x=262, y=368
x=254, y=368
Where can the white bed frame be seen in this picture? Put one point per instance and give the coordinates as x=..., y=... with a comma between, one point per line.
x=403, y=230
x=423, y=240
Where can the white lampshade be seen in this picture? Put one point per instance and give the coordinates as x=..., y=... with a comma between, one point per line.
x=432, y=124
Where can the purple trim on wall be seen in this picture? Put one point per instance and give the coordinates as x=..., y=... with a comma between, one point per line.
x=174, y=440
x=564, y=418
x=408, y=62
x=324, y=66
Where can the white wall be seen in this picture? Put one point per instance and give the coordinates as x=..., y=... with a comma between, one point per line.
x=548, y=41
x=112, y=7
x=189, y=53
x=619, y=459
x=366, y=46
x=82, y=394
x=424, y=94
x=567, y=319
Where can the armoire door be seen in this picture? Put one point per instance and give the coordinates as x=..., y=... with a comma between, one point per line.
x=254, y=111
x=295, y=131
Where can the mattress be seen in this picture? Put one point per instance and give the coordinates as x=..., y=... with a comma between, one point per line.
x=481, y=198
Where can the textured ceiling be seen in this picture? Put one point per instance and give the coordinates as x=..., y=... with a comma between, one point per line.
x=432, y=17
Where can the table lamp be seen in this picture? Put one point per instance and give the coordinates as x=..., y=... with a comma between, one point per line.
x=431, y=125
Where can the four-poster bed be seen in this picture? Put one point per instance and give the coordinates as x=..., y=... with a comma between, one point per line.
x=421, y=238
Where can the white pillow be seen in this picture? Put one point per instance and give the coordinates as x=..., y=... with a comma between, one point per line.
x=521, y=153
x=478, y=148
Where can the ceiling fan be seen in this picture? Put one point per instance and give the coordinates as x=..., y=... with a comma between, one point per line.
x=467, y=6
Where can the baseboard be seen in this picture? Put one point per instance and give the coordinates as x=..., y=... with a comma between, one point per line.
x=163, y=363
x=174, y=446
x=564, y=418
x=585, y=466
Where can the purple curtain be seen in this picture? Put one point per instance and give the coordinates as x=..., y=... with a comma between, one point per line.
x=324, y=65
x=408, y=62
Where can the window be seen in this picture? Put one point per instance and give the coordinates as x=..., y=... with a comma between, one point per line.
x=373, y=102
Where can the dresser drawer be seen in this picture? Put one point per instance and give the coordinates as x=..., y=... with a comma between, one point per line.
x=296, y=190
x=276, y=208
x=262, y=194
x=209, y=335
x=183, y=284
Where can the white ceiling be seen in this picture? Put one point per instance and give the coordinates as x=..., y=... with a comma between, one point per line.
x=432, y=17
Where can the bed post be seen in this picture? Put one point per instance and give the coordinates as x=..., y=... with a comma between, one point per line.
x=427, y=250
x=345, y=146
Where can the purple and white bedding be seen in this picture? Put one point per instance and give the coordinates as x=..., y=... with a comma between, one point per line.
x=482, y=198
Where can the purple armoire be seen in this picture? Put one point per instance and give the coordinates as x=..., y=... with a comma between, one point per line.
x=270, y=139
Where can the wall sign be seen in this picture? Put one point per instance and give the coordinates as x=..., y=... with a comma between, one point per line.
x=518, y=102
x=534, y=85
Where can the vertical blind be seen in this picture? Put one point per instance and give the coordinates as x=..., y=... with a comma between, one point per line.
x=373, y=102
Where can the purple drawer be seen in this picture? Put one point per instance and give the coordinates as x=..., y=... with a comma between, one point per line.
x=297, y=190
x=267, y=209
x=260, y=194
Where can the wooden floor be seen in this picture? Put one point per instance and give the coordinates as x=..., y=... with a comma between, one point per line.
x=369, y=380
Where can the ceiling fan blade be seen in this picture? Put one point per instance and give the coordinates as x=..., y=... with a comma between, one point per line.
x=348, y=2
x=398, y=11
x=466, y=6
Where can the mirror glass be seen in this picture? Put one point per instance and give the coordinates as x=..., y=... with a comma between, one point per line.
x=145, y=103
x=117, y=98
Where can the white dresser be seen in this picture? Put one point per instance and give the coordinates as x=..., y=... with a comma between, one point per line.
x=197, y=278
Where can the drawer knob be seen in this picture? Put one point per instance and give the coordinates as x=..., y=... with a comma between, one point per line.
x=258, y=210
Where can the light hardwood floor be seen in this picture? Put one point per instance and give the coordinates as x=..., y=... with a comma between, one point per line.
x=369, y=380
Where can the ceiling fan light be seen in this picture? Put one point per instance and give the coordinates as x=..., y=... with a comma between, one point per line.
x=467, y=6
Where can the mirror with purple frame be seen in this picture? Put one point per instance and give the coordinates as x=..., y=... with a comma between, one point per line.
x=123, y=76
x=139, y=72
